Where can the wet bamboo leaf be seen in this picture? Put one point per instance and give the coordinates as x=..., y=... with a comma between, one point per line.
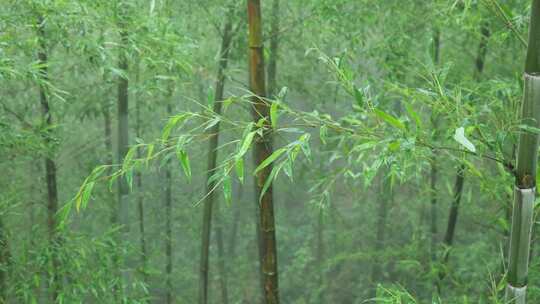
x=270, y=159
x=414, y=116
x=129, y=157
x=184, y=162
x=274, y=114
x=239, y=166
x=212, y=123
x=288, y=168
x=390, y=119
x=149, y=153
x=323, y=134
x=246, y=143
x=173, y=121
x=129, y=178
x=459, y=136
x=227, y=189
x=270, y=180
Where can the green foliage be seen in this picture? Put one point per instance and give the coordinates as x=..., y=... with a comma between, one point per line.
x=362, y=111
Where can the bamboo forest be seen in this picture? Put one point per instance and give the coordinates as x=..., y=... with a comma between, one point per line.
x=269, y=151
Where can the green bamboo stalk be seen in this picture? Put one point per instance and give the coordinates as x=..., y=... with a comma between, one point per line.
x=524, y=194
x=522, y=216
x=122, y=149
x=274, y=47
x=262, y=150
x=4, y=263
x=226, y=42
x=460, y=174
x=50, y=164
x=525, y=184
x=433, y=161
x=139, y=183
x=168, y=212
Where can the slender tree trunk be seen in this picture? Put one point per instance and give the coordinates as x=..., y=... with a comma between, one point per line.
x=382, y=214
x=122, y=149
x=123, y=132
x=460, y=175
x=274, y=48
x=434, y=168
x=107, y=127
x=108, y=134
x=433, y=226
x=138, y=183
x=262, y=150
x=50, y=165
x=221, y=259
x=236, y=220
x=453, y=215
x=320, y=255
x=4, y=263
x=526, y=169
x=168, y=221
x=212, y=163
x=452, y=218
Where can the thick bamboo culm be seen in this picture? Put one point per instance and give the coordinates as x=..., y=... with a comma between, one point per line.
x=524, y=194
x=522, y=218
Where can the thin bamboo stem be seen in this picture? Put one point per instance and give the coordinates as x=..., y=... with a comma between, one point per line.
x=50, y=164
x=211, y=184
x=263, y=149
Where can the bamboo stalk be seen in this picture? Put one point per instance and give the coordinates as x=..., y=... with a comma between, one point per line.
x=460, y=174
x=139, y=184
x=274, y=47
x=122, y=218
x=263, y=149
x=50, y=165
x=524, y=194
x=433, y=161
x=168, y=214
x=210, y=185
x=525, y=184
x=4, y=263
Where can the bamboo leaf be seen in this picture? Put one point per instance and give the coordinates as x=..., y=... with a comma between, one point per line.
x=323, y=134
x=529, y=129
x=390, y=119
x=210, y=96
x=212, y=123
x=129, y=157
x=239, y=166
x=288, y=168
x=359, y=97
x=274, y=114
x=269, y=180
x=129, y=178
x=173, y=121
x=149, y=153
x=246, y=143
x=304, y=144
x=459, y=136
x=270, y=159
x=85, y=197
x=227, y=103
x=184, y=162
x=282, y=93
x=63, y=214
x=227, y=189
x=414, y=116
x=472, y=168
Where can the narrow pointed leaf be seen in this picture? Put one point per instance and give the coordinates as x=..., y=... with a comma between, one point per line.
x=459, y=136
x=390, y=119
